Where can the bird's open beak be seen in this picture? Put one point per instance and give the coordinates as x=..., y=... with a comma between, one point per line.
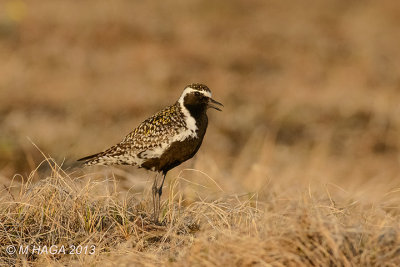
x=214, y=104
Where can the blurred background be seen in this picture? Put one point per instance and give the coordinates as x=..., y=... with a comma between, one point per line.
x=311, y=88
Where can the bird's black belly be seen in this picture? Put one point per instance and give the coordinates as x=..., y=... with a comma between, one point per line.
x=179, y=151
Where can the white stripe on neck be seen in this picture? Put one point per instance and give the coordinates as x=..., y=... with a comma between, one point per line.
x=190, y=121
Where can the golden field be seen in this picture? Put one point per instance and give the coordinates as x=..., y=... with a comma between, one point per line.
x=302, y=167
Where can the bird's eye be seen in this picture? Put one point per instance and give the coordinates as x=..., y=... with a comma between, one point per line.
x=197, y=94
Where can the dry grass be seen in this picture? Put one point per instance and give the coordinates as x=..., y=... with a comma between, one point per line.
x=310, y=228
x=301, y=167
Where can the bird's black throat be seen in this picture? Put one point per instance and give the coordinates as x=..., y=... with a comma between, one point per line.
x=197, y=111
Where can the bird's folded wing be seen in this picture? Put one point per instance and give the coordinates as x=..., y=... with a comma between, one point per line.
x=154, y=135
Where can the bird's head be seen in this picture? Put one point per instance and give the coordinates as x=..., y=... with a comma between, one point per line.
x=197, y=96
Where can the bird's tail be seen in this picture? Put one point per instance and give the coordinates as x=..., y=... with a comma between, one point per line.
x=91, y=160
x=115, y=155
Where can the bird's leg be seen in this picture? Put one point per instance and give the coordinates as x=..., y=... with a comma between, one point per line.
x=159, y=190
x=162, y=184
x=156, y=198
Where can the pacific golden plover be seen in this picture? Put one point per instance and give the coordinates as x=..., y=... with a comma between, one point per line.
x=165, y=140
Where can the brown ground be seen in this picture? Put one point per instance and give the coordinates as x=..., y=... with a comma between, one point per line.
x=301, y=167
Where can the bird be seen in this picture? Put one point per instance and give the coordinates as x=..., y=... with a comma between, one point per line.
x=165, y=140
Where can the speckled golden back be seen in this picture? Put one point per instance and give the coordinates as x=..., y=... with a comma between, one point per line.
x=157, y=129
